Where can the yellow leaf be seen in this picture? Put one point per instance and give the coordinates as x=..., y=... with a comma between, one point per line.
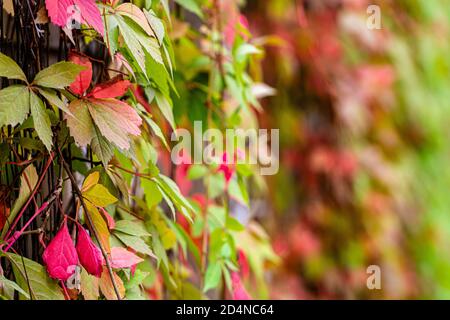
x=89, y=286
x=107, y=287
x=99, y=196
x=100, y=226
x=90, y=181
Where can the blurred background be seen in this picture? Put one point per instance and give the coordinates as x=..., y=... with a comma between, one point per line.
x=364, y=127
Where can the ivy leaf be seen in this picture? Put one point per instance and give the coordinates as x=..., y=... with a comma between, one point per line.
x=11, y=284
x=156, y=24
x=102, y=147
x=58, y=75
x=100, y=226
x=90, y=181
x=80, y=124
x=192, y=6
x=51, y=96
x=122, y=258
x=133, y=12
x=107, y=287
x=115, y=120
x=212, y=276
x=90, y=255
x=28, y=181
x=42, y=123
x=60, y=256
x=84, y=78
x=10, y=69
x=91, y=14
x=110, y=89
x=131, y=228
x=166, y=109
x=134, y=242
x=14, y=105
x=132, y=42
x=59, y=13
x=99, y=196
x=41, y=287
x=89, y=286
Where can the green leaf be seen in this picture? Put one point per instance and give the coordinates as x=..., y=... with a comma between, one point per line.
x=157, y=131
x=156, y=24
x=41, y=287
x=197, y=171
x=152, y=194
x=132, y=228
x=135, y=243
x=14, y=105
x=166, y=109
x=102, y=147
x=11, y=284
x=53, y=99
x=191, y=5
x=28, y=181
x=212, y=276
x=41, y=120
x=58, y=75
x=132, y=43
x=10, y=69
x=171, y=188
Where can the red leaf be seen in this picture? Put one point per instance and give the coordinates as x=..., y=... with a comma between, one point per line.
x=60, y=256
x=82, y=82
x=90, y=14
x=111, y=89
x=239, y=292
x=57, y=11
x=60, y=13
x=122, y=258
x=109, y=220
x=90, y=255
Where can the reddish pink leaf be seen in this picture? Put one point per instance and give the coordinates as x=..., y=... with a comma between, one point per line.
x=60, y=256
x=83, y=81
x=122, y=258
x=115, y=120
x=90, y=14
x=60, y=13
x=239, y=292
x=110, y=89
x=109, y=220
x=57, y=11
x=90, y=255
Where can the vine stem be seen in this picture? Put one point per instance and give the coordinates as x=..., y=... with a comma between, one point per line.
x=16, y=220
x=91, y=223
